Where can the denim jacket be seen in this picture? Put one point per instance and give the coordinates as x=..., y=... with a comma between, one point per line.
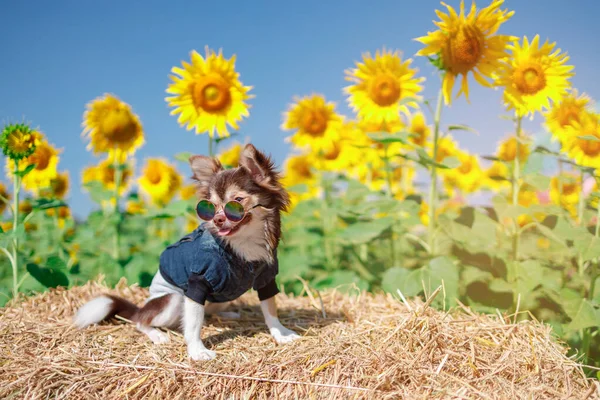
x=206, y=268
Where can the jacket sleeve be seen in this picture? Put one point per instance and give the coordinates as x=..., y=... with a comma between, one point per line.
x=265, y=283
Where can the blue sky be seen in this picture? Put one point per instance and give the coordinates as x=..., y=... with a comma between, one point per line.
x=58, y=55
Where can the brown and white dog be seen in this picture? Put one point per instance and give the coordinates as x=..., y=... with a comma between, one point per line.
x=253, y=239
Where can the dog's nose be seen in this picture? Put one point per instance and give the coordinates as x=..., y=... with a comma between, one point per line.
x=219, y=219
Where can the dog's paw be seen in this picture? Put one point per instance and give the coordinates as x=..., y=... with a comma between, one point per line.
x=283, y=335
x=198, y=352
x=158, y=337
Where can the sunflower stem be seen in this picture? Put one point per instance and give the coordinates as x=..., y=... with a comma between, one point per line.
x=210, y=146
x=388, y=176
x=515, y=202
x=433, y=184
x=117, y=211
x=580, y=210
x=15, y=257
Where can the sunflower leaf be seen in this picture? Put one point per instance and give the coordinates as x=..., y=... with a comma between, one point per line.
x=27, y=170
x=44, y=204
x=183, y=157
x=383, y=137
x=591, y=138
x=462, y=128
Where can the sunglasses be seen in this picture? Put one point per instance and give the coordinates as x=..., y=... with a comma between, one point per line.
x=234, y=210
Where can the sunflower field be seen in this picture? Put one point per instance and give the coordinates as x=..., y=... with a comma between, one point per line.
x=378, y=197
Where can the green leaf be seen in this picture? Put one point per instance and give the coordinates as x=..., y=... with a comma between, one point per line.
x=451, y=162
x=386, y=138
x=364, y=232
x=97, y=192
x=462, y=128
x=407, y=280
x=586, y=244
x=530, y=274
x=183, y=157
x=580, y=310
x=411, y=281
x=27, y=170
x=48, y=277
x=538, y=181
x=472, y=274
x=44, y=204
x=591, y=138
x=56, y=263
x=343, y=280
x=499, y=285
x=299, y=188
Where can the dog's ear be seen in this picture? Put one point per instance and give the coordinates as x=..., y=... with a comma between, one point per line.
x=259, y=166
x=262, y=170
x=204, y=168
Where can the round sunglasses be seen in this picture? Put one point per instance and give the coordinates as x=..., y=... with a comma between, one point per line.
x=234, y=210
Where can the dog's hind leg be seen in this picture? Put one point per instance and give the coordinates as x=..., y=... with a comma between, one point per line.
x=160, y=312
x=219, y=309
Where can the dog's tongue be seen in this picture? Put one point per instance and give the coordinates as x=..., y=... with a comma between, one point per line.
x=224, y=231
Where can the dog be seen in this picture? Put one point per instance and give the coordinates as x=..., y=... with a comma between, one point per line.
x=234, y=249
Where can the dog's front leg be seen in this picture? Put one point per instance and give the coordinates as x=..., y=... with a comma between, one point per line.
x=193, y=318
x=280, y=333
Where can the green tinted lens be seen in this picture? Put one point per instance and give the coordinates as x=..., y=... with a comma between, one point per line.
x=234, y=211
x=205, y=210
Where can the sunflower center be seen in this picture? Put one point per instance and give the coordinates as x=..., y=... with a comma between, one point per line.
x=119, y=126
x=19, y=141
x=41, y=158
x=591, y=148
x=314, y=122
x=530, y=79
x=465, y=167
x=569, y=116
x=153, y=176
x=464, y=50
x=569, y=188
x=211, y=94
x=384, y=90
x=332, y=152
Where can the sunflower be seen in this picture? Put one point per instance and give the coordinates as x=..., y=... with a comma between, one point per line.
x=59, y=186
x=507, y=149
x=135, y=206
x=418, y=127
x=188, y=192
x=446, y=147
x=231, y=156
x=533, y=76
x=297, y=171
x=104, y=173
x=344, y=152
x=160, y=181
x=207, y=94
x=62, y=214
x=315, y=121
x=497, y=176
x=5, y=196
x=584, y=152
x=110, y=124
x=382, y=85
x=18, y=141
x=467, y=177
x=563, y=113
x=566, y=196
x=527, y=198
x=45, y=158
x=467, y=43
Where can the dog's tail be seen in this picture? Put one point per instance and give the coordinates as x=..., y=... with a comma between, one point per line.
x=103, y=307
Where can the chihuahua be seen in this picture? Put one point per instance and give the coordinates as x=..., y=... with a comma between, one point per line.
x=233, y=250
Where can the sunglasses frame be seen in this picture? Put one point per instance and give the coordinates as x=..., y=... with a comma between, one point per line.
x=245, y=212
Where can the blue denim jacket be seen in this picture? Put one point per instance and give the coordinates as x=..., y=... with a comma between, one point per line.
x=206, y=268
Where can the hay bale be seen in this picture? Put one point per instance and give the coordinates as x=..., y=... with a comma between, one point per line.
x=367, y=346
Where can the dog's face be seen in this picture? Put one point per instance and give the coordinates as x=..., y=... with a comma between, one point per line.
x=255, y=184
